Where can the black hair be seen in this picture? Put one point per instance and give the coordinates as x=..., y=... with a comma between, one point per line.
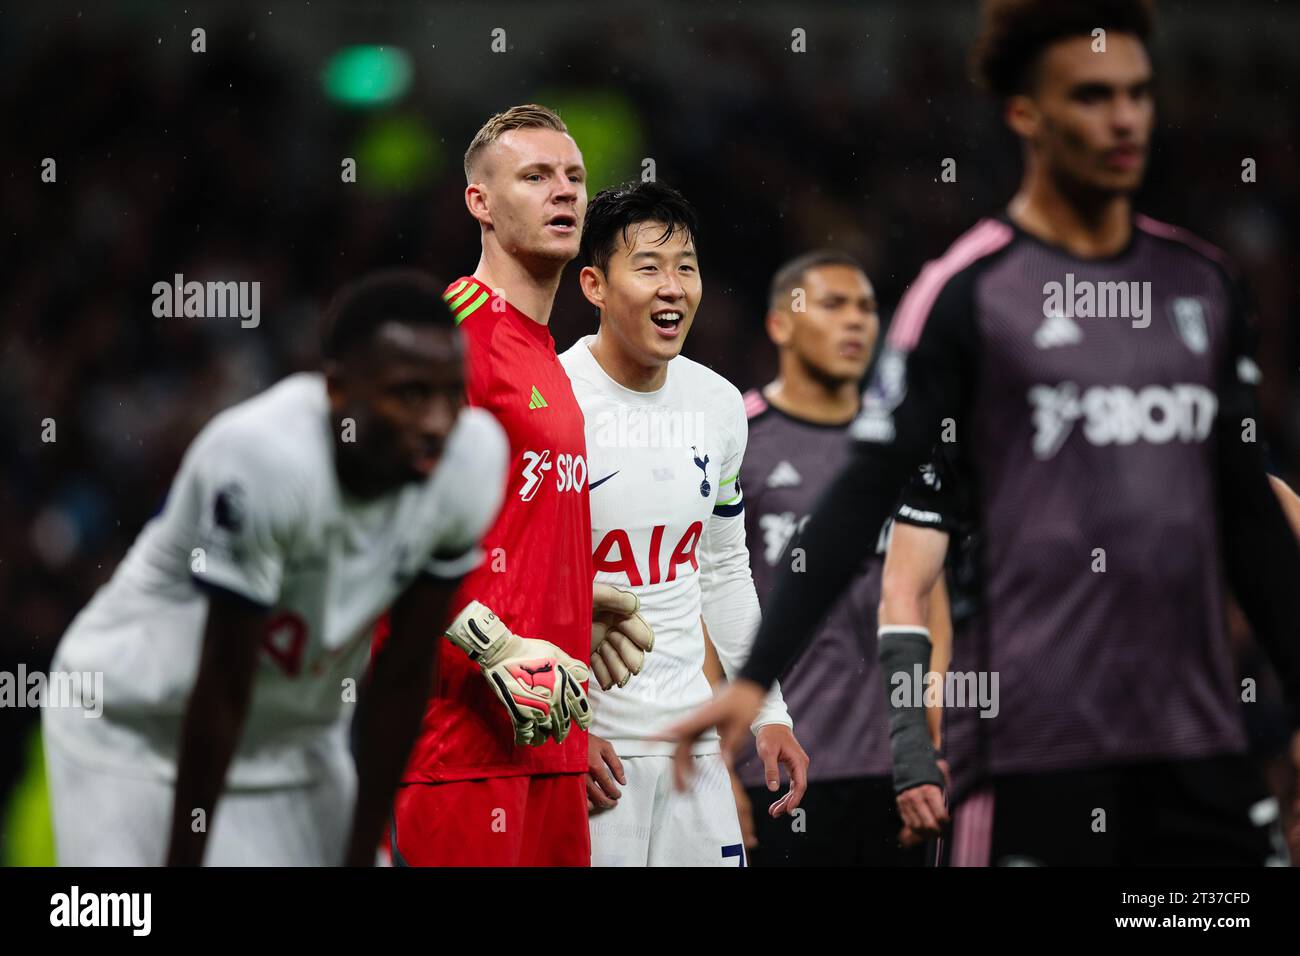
x=387, y=295
x=615, y=210
x=1016, y=32
x=788, y=277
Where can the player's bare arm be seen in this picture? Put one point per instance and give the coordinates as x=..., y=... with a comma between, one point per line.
x=214, y=719
x=403, y=672
x=940, y=651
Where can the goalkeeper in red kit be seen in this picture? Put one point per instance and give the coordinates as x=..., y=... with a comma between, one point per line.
x=496, y=777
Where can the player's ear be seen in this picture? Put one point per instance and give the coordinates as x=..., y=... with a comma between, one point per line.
x=592, y=281
x=780, y=326
x=476, y=203
x=1022, y=116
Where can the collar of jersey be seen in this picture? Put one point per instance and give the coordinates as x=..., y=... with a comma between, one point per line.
x=525, y=322
x=807, y=422
x=629, y=395
x=1121, y=254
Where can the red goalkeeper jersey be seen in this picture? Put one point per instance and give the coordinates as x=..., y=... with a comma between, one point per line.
x=537, y=570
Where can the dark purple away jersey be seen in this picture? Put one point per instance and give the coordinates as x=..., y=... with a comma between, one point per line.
x=834, y=692
x=1085, y=393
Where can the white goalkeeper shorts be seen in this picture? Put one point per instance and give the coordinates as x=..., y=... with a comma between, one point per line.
x=654, y=825
x=106, y=819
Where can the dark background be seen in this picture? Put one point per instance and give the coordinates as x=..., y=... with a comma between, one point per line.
x=226, y=165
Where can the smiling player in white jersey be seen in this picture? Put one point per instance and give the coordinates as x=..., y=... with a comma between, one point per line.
x=234, y=634
x=665, y=439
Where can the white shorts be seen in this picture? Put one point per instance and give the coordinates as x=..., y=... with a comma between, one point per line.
x=654, y=825
x=106, y=819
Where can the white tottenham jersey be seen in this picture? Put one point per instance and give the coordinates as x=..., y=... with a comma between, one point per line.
x=257, y=509
x=667, y=520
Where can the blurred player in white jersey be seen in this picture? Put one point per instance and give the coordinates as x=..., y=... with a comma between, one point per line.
x=665, y=440
x=233, y=636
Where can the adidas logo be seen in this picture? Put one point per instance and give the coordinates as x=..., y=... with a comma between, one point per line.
x=536, y=401
x=784, y=476
x=1057, y=330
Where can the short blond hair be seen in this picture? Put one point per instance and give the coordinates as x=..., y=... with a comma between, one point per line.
x=528, y=116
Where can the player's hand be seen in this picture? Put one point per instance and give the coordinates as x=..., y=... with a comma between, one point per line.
x=603, y=769
x=539, y=685
x=620, y=637
x=923, y=811
x=777, y=746
x=732, y=712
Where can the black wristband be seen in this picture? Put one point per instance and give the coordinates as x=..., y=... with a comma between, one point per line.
x=901, y=652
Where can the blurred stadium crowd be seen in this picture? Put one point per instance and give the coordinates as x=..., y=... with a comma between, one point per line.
x=226, y=165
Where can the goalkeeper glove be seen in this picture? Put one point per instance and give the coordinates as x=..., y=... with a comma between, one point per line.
x=620, y=637
x=539, y=684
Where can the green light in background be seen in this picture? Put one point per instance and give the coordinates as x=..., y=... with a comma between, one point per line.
x=607, y=128
x=27, y=835
x=396, y=153
x=367, y=75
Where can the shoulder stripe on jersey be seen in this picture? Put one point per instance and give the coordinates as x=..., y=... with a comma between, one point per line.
x=1164, y=230
x=465, y=313
x=982, y=239
x=755, y=404
x=455, y=302
x=454, y=289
